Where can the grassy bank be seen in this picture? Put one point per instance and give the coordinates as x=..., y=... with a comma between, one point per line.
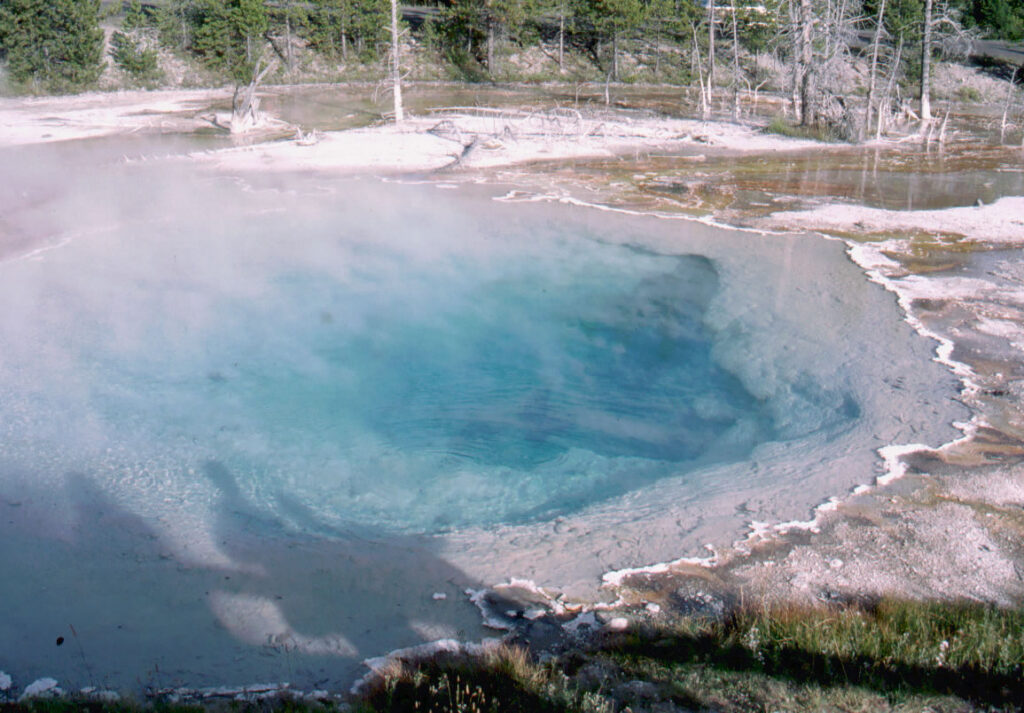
x=892, y=655
x=882, y=656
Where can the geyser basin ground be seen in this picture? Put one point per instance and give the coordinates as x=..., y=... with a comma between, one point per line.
x=249, y=430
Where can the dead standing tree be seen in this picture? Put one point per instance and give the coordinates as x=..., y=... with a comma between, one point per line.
x=873, y=68
x=792, y=40
x=396, y=64
x=813, y=40
x=245, y=105
x=835, y=65
x=808, y=115
x=711, y=44
x=737, y=70
x=926, y=63
x=1010, y=90
x=885, y=106
x=697, y=62
x=941, y=31
x=822, y=31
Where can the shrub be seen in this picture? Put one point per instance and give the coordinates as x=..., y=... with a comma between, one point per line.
x=967, y=93
x=137, y=60
x=780, y=126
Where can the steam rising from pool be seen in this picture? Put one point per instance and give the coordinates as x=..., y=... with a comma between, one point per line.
x=417, y=379
x=403, y=389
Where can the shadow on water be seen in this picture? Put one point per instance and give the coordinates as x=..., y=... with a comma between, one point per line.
x=109, y=601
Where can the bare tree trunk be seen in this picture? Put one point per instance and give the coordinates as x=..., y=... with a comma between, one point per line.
x=828, y=34
x=807, y=116
x=288, y=38
x=607, y=85
x=245, y=105
x=884, y=104
x=695, y=56
x=711, y=42
x=396, y=66
x=657, y=49
x=797, y=36
x=705, y=108
x=735, y=67
x=561, y=39
x=1006, y=106
x=490, y=44
x=615, y=56
x=344, y=33
x=926, y=63
x=879, y=25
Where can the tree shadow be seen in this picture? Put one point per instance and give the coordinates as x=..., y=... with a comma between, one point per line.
x=1001, y=67
x=352, y=589
x=801, y=666
x=111, y=602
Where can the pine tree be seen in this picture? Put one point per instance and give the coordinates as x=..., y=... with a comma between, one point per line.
x=133, y=47
x=1001, y=18
x=503, y=17
x=229, y=36
x=612, y=21
x=251, y=22
x=52, y=45
x=134, y=17
x=340, y=26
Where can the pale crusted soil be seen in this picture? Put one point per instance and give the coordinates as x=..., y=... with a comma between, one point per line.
x=944, y=537
x=421, y=143
x=492, y=139
x=998, y=222
x=45, y=119
x=954, y=527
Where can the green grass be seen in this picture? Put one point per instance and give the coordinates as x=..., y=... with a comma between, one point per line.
x=895, y=651
x=780, y=126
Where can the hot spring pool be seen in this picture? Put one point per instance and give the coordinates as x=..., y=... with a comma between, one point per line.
x=247, y=431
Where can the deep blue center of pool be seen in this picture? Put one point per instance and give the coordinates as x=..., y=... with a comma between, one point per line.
x=512, y=372
x=454, y=389
x=406, y=382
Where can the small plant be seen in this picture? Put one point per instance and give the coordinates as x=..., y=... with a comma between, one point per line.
x=967, y=93
x=824, y=133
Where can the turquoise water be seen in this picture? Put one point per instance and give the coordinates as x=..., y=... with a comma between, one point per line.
x=420, y=386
